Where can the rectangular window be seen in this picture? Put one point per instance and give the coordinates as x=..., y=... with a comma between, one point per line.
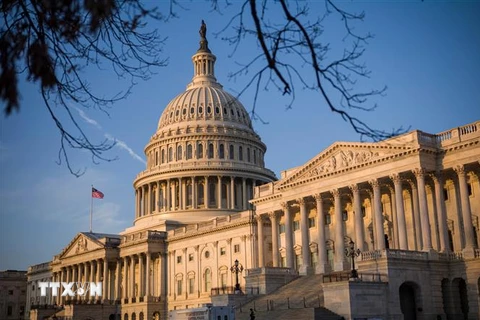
x=345, y=215
x=223, y=251
x=179, y=259
x=179, y=286
x=363, y=212
x=283, y=262
x=328, y=219
x=296, y=225
x=223, y=280
x=236, y=248
x=270, y=246
x=191, y=285
x=311, y=222
x=281, y=228
x=9, y=310
x=445, y=194
x=469, y=188
x=190, y=257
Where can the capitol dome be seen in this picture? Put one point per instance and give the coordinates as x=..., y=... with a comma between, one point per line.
x=204, y=159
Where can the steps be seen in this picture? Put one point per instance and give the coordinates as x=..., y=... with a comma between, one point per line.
x=290, y=314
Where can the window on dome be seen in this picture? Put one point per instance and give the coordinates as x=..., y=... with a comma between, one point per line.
x=211, y=197
x=231, y=153
x=184, y=111
x=192, y=110
x=238, y=113
x=156, y=158
x=200, y=110
x=217, y=110
x=170, y=154
x=200, y=195
x=225, y=111
x=163, y=155
x=248, y=155
x=177, y=113
x=210, y=151
x=240, y=153
x=189, y=195
x=255, y=156
x=231, y=112
x=171, y=114
x=200, y=151
x=209, y=110
x=179, y=153
x=189, y=152
x=221, y=151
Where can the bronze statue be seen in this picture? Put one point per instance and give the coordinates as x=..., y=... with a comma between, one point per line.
x=203, y=30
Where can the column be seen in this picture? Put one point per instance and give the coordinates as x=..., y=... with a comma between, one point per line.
x=118, y=274
x=136, y=204
x=131, y=279
x=147, y=276
x=149, y=199
x=244, y=194
x=442, y=216
x=339, y=264
x=402, y=225
x=232, y=193
x=357, y=208
x=124, y=279
x=322, y=265
x=377, y=207
x=274, y=223
x=157, y=197
x=393, y=208
x=184, y=194
x=205, y=193
x=261, y=258
x=422, y=200
x=288, y=235
x=164, y=199
x=106, y=281
x=416, y=215
x=173, y=192
x=141, y=276
x=466, y=210
x=306, y=260
x=219, y=192
x=87, y=278
x=194, y=194
x=168, y=190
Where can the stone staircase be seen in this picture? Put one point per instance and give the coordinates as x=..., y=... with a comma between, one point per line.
x=299, y=299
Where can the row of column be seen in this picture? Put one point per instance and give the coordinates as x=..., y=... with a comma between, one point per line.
x=420, y=209
x=89, y=271
x=185, y=191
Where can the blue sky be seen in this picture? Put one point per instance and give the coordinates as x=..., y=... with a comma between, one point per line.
x=428, y=54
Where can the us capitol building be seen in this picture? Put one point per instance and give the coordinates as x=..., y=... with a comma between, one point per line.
x=407, y=208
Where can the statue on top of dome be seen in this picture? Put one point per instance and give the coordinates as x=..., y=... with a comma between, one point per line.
x=203, y=31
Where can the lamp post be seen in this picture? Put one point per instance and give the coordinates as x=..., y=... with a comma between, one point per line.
x=352, y=253
x=236, y=268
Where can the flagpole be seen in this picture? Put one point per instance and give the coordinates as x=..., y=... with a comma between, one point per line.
x=91, y=208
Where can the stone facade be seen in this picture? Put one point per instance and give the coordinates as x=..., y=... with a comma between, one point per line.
x=410, y=204
x=13, y=293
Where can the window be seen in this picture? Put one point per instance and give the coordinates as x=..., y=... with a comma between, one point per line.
x=240, y=153
x=236, y=248
x=223, y=251
x=345, y=215
x=212, y=194
x=255, y=156
x=283, y=262
x=10, y=292
x=208, y=280
x=298, y=261
x=200, y=151
x=179, y=259
x=296, y=225
x=207, y=254
x=328, y=219
x=248, y=155
x=281, y=228
x=156, y=158
x=445, y=194
x=221, y=151
x=9, y=310
x=314, y=259
x=469, y=189
x=179, y=153
x=179, y=286
x=231, y=153
x=223, y=280
x=189, y=194
x=190, y=257
x=311, y=222
x=189, y=152
x=364, y=212
x=191, y=285
x=163, y=155
x=200, y=195
x=170, y=154
x=210, y=151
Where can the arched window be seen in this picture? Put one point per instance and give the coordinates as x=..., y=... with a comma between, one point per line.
x=163, y=155
x=189, y=152
x=141, y=316
x=248, y=155
x=221, y=151
x=200, y=194
x=179, y=153
x=170, y=154
x=240, y=153
x=254, y=156
x=231, y=153
x=208, y=280
x=189, y=195
x=200, y=151
x=211, y=196
x=152, y=200
x=125, y=317
x=210, y=151
x=134, y=316
x=156, y=158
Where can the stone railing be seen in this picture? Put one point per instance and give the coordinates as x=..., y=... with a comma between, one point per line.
x=271, y=270
x=208, y=225
x=477, y=253
x=39, y=267
x=451, y=136
x=450, y=256
x=144, y=235
x=391, y=253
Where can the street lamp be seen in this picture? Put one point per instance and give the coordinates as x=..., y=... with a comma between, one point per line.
x=352, y=253
x=236, y=268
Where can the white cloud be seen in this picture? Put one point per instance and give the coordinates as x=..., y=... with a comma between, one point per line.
x=122, y=145
x=87, y=119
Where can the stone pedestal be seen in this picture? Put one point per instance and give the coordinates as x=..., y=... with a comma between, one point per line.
x=269, y=279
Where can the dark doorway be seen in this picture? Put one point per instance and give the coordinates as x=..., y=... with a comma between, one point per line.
x=407, y=301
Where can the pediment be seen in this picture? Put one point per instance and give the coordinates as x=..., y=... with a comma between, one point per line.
x=82, y=243
x=341, y=156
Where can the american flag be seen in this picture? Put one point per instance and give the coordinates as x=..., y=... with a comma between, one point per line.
x=97, y=194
